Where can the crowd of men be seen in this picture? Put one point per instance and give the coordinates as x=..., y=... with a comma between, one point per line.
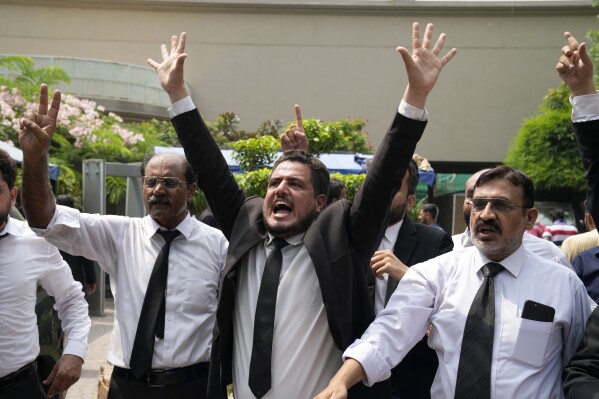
x=302, y=293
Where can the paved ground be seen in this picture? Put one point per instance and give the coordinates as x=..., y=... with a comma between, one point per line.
x=99, y=337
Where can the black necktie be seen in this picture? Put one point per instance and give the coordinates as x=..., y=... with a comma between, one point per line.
x=260, y=363
x=474, y=370
x=151, y=319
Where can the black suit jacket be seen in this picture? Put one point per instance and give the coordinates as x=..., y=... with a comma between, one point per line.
x=340, y=241
x=416, y=243
x=581, y=375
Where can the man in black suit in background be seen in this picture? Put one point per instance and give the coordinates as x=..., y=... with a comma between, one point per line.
x=405, y=244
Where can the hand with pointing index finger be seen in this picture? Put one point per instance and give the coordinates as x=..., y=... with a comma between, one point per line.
x=575, y=67
x=294, y=137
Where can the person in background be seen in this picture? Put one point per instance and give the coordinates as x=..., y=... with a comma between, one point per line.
x=574, y=245
x=559, y=229
x=82, y=268
x=337, y=191
x=428, y=215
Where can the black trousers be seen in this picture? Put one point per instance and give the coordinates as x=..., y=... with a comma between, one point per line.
x=123, y=388
x=28, y=387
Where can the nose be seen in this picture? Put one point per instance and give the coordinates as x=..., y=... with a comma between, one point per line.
x=488, y=212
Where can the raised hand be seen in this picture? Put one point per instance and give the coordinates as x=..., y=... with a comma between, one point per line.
x=36, y=129
x=423, y=64
x=575, y=67
x=294, y=138
x=170, y=70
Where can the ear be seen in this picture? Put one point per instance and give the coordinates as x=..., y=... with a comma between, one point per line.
x=191, y=189
x=411, y=202
x=531, y=217
x=13, y=196
x=321, y=202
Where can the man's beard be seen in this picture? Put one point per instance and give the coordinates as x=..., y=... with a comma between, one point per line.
x=497, y=250
x=396, y=214
x=290, y=231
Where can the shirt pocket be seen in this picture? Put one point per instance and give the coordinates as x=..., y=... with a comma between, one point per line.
x=532, y=339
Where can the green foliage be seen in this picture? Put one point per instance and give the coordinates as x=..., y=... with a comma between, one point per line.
x=342, y=135
x=254, y=182
x=545, y=148
x=256, y=153
x=413, y=213
x=29, y=78
x=352, y=183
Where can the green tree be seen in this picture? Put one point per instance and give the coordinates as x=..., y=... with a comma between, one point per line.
x=256, y=153
x=30, y=78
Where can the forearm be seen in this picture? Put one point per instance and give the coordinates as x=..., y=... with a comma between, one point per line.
x=38, y=200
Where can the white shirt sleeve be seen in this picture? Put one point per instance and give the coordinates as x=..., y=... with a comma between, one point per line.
x=411, y=112
x=183, y=105
x=70, y=303
x=585, y=108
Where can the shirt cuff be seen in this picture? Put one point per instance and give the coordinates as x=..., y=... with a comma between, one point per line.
x=75, y=348
x=411, y=112
x=374, y=364
x=585, y=108
x=183, y=105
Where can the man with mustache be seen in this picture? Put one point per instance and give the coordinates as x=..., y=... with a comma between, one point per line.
x=165, y=292
x=532, y=243
x=504, y=320
x=321, y=256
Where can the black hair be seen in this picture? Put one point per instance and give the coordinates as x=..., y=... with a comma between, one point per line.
x=319, y=173
x=8, y=167
x=515, y=177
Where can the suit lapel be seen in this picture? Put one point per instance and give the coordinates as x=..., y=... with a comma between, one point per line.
x=245, y=237
x=403, y=250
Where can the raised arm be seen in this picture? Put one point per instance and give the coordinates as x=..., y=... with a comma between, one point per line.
x=209, y=166
x=371, y=206
x=35, y=136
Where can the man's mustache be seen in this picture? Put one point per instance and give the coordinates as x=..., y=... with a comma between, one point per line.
x=159, y=199
x=487, y=223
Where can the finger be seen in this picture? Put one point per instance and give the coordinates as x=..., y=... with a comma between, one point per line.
x=567, y=51
x=572, y=42
x=561, y=68
x=448, y=57
x=439, y=44
x=174, y=42
x=428, y=36
x=416, y=36
x=50, y=378
x=182, y=40
x=34, y=128
x=566, y=61
x=584, y=55
x=43, y=107
x=405, y=55
x=164, y=52
x=55, y=106
x=153, y=64
x=298, y=117
x=180, y=61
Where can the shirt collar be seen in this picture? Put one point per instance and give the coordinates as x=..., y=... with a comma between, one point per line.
x=12, y=228
x=293, y=240
x=512, y=263
x=185, y=227
x=393, y=231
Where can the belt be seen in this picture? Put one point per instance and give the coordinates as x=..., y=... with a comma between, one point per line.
x=18, y=375
x=157, y=378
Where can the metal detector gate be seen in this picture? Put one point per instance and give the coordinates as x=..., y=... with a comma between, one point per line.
x=95, y=172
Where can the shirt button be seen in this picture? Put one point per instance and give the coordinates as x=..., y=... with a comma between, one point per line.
x=168, y=345
x=170, y=318
x=172, y=267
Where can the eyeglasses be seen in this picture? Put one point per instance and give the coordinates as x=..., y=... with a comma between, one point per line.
x=170, y=183
x=499, y=205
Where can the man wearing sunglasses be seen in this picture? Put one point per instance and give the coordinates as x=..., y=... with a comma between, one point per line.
x=164, y=269
x=504, y=320
x=534, y=244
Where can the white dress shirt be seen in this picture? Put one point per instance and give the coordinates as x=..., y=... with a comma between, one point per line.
x=25, y=261
x=543, y=248
x=527, y=355
x=126, y=248
x=388, y=242
x=304, y=355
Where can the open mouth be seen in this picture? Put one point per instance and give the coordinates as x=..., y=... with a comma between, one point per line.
x=486, y=230
x=282, y=208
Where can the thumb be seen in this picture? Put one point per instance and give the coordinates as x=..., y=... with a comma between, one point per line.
x=405, y=54
x=180, y=60
x=50, y=378
x=584, y=55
